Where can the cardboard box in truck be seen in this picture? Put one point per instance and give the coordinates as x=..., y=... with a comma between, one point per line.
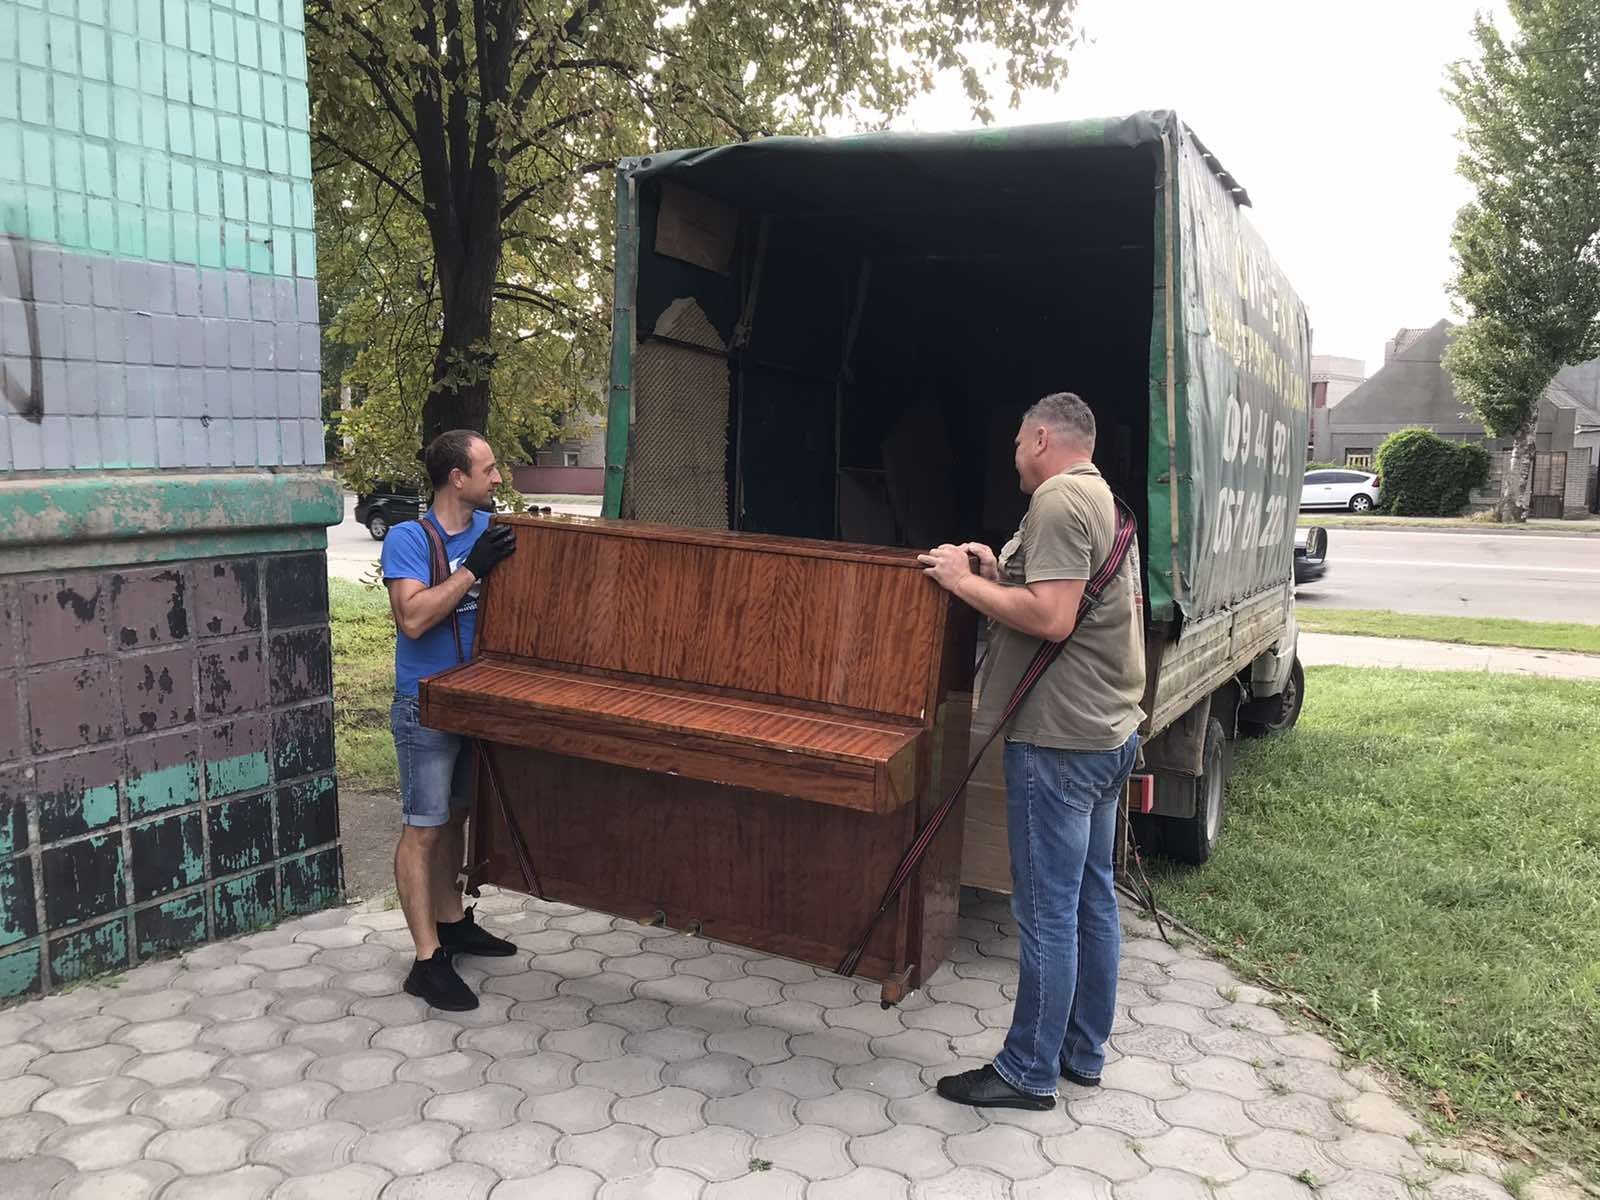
x=836, y=338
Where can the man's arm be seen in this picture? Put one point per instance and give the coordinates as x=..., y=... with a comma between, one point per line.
x=418, y=608
x=1047, y=609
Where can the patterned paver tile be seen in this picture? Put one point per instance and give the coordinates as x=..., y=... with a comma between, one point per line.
x=287, y=1107
x=615, y=1152
x=206, y=1149
x=763, y=1112
x=518, y=1151
x=111, y=1143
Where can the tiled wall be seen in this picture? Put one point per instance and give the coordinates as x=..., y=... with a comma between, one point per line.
x=157, y=269
x=166, y=757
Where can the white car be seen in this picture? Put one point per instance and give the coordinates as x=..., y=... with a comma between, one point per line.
x=1341, y=487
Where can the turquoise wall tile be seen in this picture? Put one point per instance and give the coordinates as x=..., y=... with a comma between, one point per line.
x=64, y=96
x=63, y=45
x=95, y=101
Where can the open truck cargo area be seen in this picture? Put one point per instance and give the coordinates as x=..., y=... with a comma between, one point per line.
x=836, y=339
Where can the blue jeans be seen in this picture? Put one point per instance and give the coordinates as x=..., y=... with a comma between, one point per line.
x=435, y=767
x=1062, y=811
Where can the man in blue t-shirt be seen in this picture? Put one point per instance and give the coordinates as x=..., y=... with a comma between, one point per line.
x=436, y=612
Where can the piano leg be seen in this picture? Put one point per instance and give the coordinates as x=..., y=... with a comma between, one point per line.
x=896, y=987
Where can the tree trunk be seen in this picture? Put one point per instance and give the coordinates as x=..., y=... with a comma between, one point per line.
x=1516, y=484
x=463, y=362
x=460, y=395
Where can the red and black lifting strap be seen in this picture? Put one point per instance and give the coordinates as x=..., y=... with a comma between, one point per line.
x=438, y=572
x=1121, y=542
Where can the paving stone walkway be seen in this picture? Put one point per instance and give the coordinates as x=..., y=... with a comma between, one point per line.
x=613, y=1060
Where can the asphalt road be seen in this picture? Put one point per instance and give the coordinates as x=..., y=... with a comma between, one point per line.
x=352, y=554
x=1531, y=576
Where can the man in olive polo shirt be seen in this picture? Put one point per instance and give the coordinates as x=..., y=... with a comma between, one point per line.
x=1068, y=751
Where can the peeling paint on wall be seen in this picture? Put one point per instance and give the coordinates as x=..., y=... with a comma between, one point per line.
x=180, y=782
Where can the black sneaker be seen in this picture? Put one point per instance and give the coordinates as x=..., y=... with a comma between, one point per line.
x=986, y=1088
x=435, y=981
x=466, y=936
x=1083, y=1081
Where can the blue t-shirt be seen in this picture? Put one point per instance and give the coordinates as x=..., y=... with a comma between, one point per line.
x=406, y=554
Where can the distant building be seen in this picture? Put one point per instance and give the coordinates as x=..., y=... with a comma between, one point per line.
x=1332, y=379
x=1413, y=389
x=570, y=464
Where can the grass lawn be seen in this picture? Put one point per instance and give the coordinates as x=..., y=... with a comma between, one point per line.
x=1420, y=859
x=1473, y=631
x=363, y=683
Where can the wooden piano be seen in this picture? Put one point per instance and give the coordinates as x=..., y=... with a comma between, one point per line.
x=726, y=733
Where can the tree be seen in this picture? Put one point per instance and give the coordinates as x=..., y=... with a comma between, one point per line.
x=463, y=151
x=1527, y=248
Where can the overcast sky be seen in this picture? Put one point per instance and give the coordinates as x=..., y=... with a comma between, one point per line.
x=1329, y=112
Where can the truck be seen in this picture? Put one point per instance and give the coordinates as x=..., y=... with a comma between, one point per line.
x=835, y=338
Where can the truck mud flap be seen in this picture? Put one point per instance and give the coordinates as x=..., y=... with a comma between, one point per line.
x=1179, y=749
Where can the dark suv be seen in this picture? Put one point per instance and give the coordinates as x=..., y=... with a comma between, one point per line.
x=388, y=505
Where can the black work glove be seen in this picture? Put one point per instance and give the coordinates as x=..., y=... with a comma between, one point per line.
x=496, y=544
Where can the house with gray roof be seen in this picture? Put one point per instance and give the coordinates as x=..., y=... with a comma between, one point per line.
x=1413, y=388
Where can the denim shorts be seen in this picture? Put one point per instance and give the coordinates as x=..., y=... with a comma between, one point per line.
x=435, y=767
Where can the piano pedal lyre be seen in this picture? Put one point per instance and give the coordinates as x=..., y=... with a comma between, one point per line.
x=896, y=987
x=470, y=878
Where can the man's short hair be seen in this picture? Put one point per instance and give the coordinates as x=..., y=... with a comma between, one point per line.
x=450, y=451
x=1066, y=412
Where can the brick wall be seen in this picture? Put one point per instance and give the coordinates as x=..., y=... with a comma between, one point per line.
x=166, y=758
x=1575, y=497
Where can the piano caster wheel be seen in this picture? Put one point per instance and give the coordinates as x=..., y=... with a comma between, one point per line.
x=895, y=989
x=659, y=921
x=694, y=929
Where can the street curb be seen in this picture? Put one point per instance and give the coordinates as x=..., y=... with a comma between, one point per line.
x=1488, y=530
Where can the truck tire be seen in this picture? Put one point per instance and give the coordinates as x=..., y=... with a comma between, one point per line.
x=1192, y=840
x=1268, y=717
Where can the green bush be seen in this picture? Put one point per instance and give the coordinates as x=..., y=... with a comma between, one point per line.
x=1423, y=475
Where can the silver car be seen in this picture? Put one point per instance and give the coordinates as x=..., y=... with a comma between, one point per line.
x=1341, y=487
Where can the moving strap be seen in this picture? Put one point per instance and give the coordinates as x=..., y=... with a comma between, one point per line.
x=439, y=571
x=1047, y=652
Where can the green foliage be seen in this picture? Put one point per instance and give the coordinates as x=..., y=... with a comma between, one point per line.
x=464, y=154
x=1527, y=247
x=1426, y=476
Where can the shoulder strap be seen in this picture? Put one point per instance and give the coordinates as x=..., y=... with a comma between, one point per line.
x=439, y=569
x=1047, y=653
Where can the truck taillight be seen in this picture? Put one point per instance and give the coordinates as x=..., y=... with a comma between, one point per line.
x=1141, y=793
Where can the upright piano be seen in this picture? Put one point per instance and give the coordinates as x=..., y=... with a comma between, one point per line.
x=731, y=734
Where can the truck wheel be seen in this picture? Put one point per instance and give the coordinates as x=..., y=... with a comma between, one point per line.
x=378, y=527
x=1282, y=715
x=1192, y=839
